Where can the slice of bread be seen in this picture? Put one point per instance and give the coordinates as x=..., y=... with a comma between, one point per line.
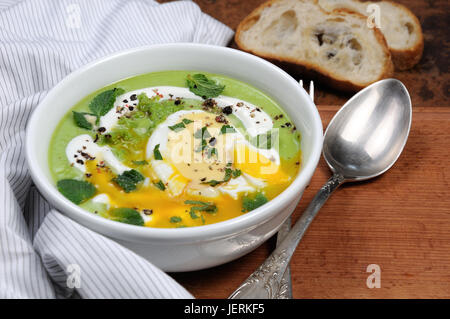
x=337, y=46
x=399, y=25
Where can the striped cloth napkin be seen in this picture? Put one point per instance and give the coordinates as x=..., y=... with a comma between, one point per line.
x=43, y=254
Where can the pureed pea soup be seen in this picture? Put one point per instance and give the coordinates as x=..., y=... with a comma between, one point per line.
x=174, y=149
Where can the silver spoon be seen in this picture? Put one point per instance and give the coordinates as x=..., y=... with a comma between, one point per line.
x=363, y=140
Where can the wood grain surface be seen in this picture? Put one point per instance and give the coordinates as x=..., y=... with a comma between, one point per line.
x=399, y=221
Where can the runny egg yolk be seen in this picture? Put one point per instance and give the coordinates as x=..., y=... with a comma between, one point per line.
x=219, y=150
x=255, y=164
x=198, y=152
x=163, y=205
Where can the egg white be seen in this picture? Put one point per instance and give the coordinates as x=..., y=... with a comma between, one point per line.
x=84, y=143
x=164, y=169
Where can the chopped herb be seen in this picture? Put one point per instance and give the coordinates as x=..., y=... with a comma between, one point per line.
x=211, y=152
x=177, y=127
x=200, y=85
x=201, y=207
x=227, y=129
x=249, y=203
x=81, y=121
x=128, y=180
x=195, y=202
x=76, y=191
x=202, y=133
x=127, y=216
x=103, y=102
x=143, y=162
x=213, y=182
x=193, y=214
x=160, y=185
x=211, y=209
x=228, y=174
x=175, y=219
x=157, y=153
x=187, y=121
x=236, y=173
x=201, y=147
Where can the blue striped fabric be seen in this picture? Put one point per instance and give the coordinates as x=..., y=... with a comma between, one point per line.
x=41, y=41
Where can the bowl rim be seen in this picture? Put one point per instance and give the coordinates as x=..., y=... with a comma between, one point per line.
x=205, y=232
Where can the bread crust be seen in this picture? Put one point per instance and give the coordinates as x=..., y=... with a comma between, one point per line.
x=306, y=67
x=406, y=59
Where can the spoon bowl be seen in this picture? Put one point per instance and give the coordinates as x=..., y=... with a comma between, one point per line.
x=363, y=140
x=367, y=135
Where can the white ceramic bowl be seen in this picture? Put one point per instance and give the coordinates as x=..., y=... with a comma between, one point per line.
x=194, y=248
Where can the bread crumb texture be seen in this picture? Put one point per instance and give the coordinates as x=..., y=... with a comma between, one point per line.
x=329, y=37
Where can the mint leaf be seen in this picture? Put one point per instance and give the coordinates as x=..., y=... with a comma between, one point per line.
x=157, y=153
x=211, y=208
x=202, y=133
x=211, y=152
x=128, y=180
x=143, y=162
x=251, y=203
x=228, y=174
x=227, y=129
x=76, y=191
x=200, y=206
x=81, y=121
x=103, y=102
x=195, y=202
x=175, y=219
x=177, y=127
x=187, y=121
x=127, y=216
x=236, y=173
x=201, y=147
x=160, y=185
x=193, y=214
x=200, y=85
x=213, y=182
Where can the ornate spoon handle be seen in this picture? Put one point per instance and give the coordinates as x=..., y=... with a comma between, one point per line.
x=286, y=282
x=266, y=281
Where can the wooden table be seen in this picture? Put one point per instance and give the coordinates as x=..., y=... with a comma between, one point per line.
x=399, y=221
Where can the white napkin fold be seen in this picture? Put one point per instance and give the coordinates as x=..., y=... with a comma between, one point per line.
x=44, y=254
